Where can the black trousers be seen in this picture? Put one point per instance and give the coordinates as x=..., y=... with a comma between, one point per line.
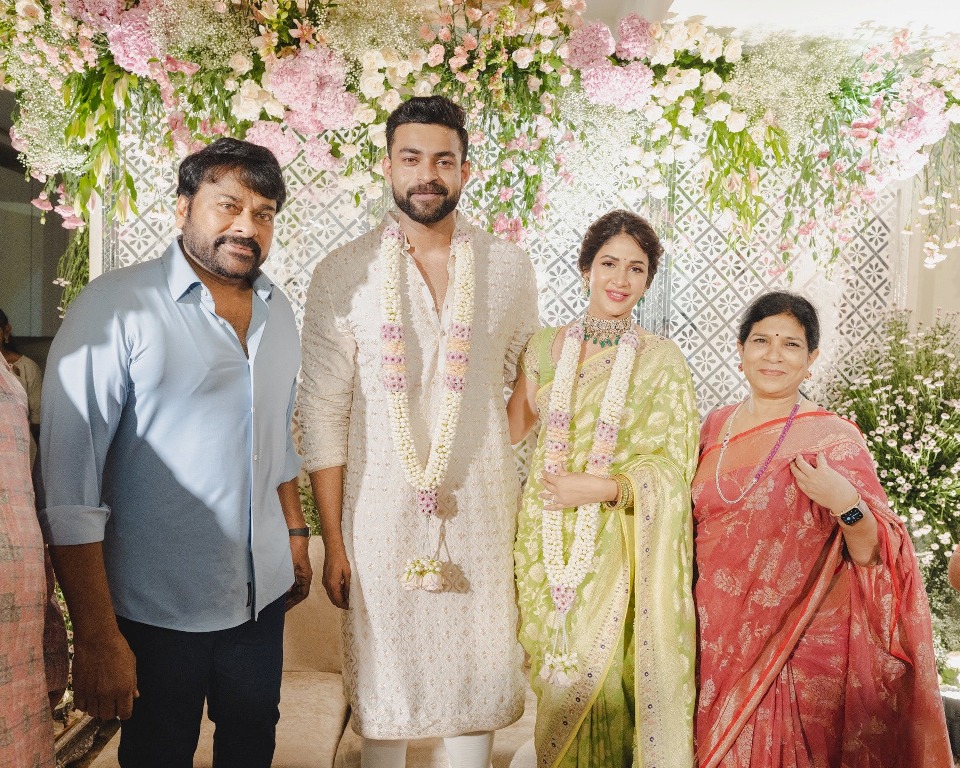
x=237, y=671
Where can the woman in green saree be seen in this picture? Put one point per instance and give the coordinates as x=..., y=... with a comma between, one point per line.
x=604, y=546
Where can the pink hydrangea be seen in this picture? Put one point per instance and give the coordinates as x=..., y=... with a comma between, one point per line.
x=636, y=42
x=589, y=45
x=283, y=144
x=131, y=43
x=313, y=84
x=628, y=87
x=99, y=14
x=318, y=155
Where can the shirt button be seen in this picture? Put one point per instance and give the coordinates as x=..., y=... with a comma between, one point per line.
x=253, y=409
x=254, y=457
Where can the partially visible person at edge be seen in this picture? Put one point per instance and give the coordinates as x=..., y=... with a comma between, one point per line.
x=608, y=618
x=26, y=728
x=29, y=375
x=170, y=475
x=410, y=333
x=815, y=639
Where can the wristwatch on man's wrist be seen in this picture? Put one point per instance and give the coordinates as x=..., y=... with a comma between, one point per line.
x=305, y=532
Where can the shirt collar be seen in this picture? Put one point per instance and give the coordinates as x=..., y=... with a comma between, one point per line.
x=181, y=278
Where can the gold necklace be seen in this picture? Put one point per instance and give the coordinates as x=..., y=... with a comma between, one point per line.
x=604, y=332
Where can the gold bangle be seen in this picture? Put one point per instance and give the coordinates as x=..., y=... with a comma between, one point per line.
x=624, y=494
x=846, y=509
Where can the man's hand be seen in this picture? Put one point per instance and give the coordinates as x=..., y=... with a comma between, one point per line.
x=302, y=571
x=336, y=578
x=104, y=677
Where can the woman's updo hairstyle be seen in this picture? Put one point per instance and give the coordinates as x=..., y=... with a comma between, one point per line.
x=782, y=303
x=620, y=222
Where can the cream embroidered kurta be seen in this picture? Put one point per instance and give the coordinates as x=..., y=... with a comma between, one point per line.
x=421, y=664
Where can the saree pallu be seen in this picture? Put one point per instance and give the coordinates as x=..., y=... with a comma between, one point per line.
x=633, y=624
x=807, y=660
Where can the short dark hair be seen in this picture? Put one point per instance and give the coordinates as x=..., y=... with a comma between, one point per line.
x=621, y=222
x=257, y=169
x=430, y=110
x=4, y=322
x=782, y=303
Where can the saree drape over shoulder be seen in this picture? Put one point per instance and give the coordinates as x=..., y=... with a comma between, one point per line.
x=633, y=625
x=807, y=659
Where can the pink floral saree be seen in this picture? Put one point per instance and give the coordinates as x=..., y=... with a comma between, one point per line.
x=806, y=659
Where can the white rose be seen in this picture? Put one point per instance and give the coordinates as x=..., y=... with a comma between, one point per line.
x=687, y=103
x=690, y=78
x=29, y=14
x=390, y=100
x=348, y=151
x=378, y=135
x=364, y=114
x=685, y=151
x=649, y=159
x=417, y=59
x=522, y=57
x=390, y=57
x=697, y=126
x=539, y=7
x=566, y=78
x=248, y=101
x=231, y=84
x=736, y=122
x=274, y=108
x=717, y=111
x=534, y=83
x=712, y=81
x=685, y=118
x=432, y=582
x=953, y=114
x=733, y=51
x=711, y=48
x=240, y=64
x=371, y=60
x=667, y=154
x=372, y=86
x=652, y=112
x=423, y=88
x=696, y=30
x=546, y=46
x=673, y=92
x=663, y=54
x=633, y=154
x=373, y=191
x=659, y=191
x=547, y=26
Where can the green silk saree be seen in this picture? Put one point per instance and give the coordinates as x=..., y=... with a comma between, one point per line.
x=633, y=624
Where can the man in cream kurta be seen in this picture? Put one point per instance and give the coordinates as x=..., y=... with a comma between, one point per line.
x=418, y=663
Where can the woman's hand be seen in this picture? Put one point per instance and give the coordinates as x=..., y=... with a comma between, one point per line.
x=572, y=490
x=824, y=485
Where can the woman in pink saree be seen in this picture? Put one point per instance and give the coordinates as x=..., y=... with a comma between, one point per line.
x=814, y=628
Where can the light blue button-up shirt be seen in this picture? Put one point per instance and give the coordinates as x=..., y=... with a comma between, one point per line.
x=161, y=439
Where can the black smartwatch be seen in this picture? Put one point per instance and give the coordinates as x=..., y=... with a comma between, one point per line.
x=852, y=516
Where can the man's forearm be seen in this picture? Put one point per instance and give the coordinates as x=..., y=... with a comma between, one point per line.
x=83, y=578
x=289, y=493
x=327, y=487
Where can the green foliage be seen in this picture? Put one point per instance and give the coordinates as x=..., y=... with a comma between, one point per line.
x=903, y=391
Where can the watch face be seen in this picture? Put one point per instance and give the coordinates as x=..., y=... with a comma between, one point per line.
x=852, y=516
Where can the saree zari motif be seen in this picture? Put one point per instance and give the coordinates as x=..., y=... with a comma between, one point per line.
x=633, y=628
x=807, y=659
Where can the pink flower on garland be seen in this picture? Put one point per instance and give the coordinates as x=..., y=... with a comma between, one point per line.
x=391, y=332
x=628, y=87
x=456, y=357
x=460, y=331
x=427, y=501
x=635, y=42
x=558, y=420
x=131, y=43
x=282, y=143
x=454, y=383
x=395, y=382
x=589, y=45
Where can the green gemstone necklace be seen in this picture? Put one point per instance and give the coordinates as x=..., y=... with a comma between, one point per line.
x=605, y=333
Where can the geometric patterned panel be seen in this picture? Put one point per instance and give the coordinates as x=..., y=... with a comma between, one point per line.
x=699, y=293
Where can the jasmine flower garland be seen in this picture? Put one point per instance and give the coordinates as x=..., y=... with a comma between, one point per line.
x=561, y=666
x=425, y=479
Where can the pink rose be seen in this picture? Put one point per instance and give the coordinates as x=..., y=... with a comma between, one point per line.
x=435, y=55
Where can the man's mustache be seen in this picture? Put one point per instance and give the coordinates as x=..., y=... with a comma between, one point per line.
x=428, y=189
x=243, y=242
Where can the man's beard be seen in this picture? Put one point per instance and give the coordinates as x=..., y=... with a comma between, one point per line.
x=430, y=213
x=206, y=254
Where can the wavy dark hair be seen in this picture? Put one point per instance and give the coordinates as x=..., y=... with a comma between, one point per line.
x=621, y=222
x=256, y=167
x=430, y=110
x=782, y=303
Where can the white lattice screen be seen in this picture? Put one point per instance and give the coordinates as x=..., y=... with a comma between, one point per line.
x=696, y=299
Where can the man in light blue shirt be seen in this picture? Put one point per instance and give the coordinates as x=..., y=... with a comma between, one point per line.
x=170, y=476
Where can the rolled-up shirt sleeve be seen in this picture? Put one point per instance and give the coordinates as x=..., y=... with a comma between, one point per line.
x=327, y=377
x=84, y=392
x=292, y=460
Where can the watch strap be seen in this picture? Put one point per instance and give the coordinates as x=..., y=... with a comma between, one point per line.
x=305, y=532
